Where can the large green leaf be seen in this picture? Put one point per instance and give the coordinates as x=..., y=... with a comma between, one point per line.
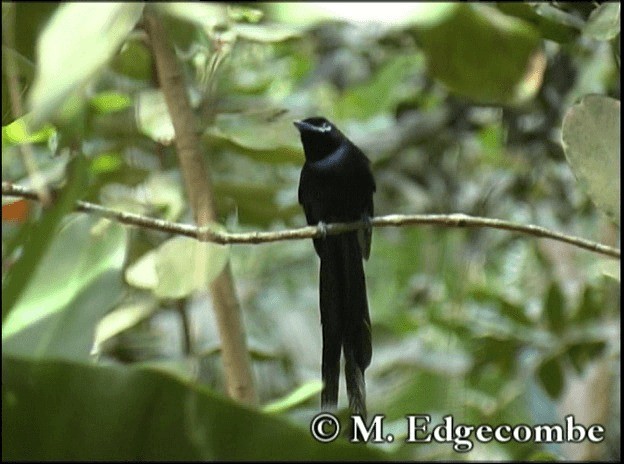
x=604, y=22
x=591, y=142
x=36, y=238
x=70, y=332
x=482, y=54
x=85, y=248
x=78, y=40
x=67, y=411
x=178, y=267
x=262, y=132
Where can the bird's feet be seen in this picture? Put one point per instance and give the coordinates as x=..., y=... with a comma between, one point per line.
x=367, y=220
x=322, y=227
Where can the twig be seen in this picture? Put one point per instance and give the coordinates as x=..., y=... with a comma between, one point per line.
x=13, y=87
x=394, y=220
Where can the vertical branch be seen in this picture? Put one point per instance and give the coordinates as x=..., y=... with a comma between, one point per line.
x=236, y=359
x=15, y=94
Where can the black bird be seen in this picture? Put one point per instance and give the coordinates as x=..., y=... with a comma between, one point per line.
x=337, y=185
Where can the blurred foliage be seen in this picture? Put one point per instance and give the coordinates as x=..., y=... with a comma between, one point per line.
x=110, y=345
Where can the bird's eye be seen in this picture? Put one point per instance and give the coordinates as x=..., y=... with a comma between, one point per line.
x=325, y=127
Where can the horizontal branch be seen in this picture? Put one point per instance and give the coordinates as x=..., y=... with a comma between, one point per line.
x=394, y=220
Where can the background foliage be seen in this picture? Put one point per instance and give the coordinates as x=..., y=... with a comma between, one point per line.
x=499, y=110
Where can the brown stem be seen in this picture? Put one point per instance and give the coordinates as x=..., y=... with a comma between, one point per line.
x=236, y=359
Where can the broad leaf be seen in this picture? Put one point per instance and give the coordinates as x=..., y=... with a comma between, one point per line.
x=77, y=42
x=67, y=411
x=591, y=142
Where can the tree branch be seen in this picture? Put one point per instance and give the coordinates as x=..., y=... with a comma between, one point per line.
x=235, y=356
x=394, y=220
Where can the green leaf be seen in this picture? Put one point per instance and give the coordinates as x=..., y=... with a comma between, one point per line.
x=482, y=54
x=110, y=102
x=590, y=307
x=152, y=116
x=206, y=15
x=544, y=456
x=82, y=250
x=178, y=267
x=122, y=318
x=557, y=15
x=554, y=306
x=36, y=238
x=18, y=133
x=389, y=86
x=395, y=14
x=77, y=42
x=604, y=22
x=581, y=353
x=551, y=28
x=55, y=410
x=260, y=132
x=133, y=60
x=106, y=163
x=265, y=33
x=550, y=375
x=300, y=395
x=69, y=332
x=591, y=142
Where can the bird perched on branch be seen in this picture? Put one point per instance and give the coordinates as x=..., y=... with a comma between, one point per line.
x=337, y=185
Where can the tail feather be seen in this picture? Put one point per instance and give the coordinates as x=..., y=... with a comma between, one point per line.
x=345, y=321
x=331, y=322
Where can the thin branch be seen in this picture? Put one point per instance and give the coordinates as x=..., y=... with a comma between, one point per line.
x=13, y=87
x=394, y=220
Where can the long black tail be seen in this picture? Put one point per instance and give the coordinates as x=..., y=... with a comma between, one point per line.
x=345, y=320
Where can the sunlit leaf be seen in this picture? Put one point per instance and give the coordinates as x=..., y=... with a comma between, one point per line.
x=208, y=15
x=391, y=14
x=591, y=142
x=68, y=333
x=178, y=267
x=106, y=162
x=152, y=116
x=122, y=318
x=300, y=395
x=604, y=21
x=110, y=102
x=36, y=239
x=79, y=39
x=142, y=273
x=80, y=252
x=18, y=133
x=264, y=33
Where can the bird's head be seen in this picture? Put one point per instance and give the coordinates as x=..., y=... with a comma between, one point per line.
x=319, y=137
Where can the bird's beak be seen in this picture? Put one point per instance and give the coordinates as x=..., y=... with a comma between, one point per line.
x=299, y=124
